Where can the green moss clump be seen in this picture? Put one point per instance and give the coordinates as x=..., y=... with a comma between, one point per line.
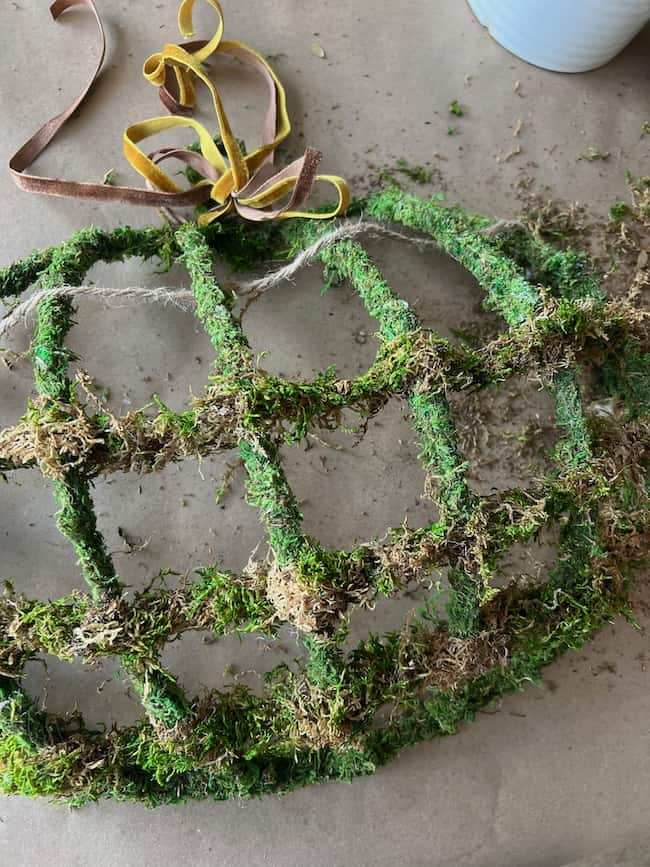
x=53, y=623
x=618, y=211
x=234, y=604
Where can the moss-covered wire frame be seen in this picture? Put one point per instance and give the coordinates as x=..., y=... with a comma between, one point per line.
x=324, y=719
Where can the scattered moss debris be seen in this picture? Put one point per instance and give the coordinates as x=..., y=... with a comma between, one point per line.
x=339, y=712
x=592, y=154
x=618, y=211
x=456, y=108
x=418, y=174
x=617, y=246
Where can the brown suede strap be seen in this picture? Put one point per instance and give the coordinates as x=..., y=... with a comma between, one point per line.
x=31, y=150
x=259, y=193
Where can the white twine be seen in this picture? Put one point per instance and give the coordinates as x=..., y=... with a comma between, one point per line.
x=184, y=298
x=346, y=230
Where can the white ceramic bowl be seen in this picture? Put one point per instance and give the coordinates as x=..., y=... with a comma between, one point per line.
x=563, y=35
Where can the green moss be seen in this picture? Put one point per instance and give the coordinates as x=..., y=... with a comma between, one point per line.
x=269, y=491
x=53, y=623
x=242, y=729
x=162, y=698
x=618, y=211
x=76, y=517
x=212, y=305
x=625, y=374
x=325, y=666
x=563, y=273
x=460, y=235
x=322, y=718
x=84, y=249
x=464, y=603
x=418, y=174
x=21, y=775
x=347, y=260
x=440, y=456
x=49, y=354
x=575, y=448
x=76, y=520
x=235, y=604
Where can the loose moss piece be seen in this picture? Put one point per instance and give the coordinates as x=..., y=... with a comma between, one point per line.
x=418, y=174
x=618, y=211
x=592, y=154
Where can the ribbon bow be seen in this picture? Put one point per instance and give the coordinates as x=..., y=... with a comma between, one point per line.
x=247, y=184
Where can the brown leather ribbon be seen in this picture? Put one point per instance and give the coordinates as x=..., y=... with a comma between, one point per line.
x=252, y=196
x=32, y=149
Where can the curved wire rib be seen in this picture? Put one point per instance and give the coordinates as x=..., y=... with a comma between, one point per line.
x=161, y=696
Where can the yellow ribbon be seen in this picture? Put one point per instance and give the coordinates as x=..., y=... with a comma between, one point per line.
x=245, y=183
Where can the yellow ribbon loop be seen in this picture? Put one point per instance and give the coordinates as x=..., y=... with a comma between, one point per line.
x=186, y=27
x=247, y=184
